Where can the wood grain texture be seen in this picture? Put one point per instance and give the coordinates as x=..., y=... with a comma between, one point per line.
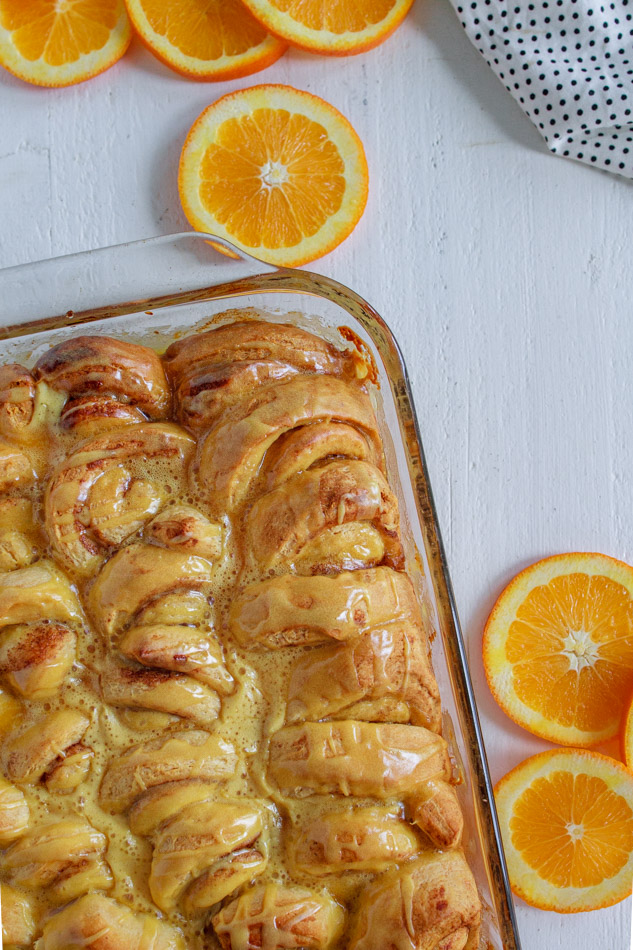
x=505, y=273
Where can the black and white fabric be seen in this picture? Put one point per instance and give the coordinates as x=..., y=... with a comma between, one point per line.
x=569, y=64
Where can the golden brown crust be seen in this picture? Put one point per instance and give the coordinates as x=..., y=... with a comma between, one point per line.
x=385, y=676
x=196, y=842
x=290, y=610
x=273, y=917
x=211, y=371
x=190, y=754
x=16, y=470
x=14, y=812
x=105, y=366
x=17, y=400
x=104, y=924
x=20, y=536
x=434, y=808
x=29, y=753
x=94, y=500
x=36, y=658
x=164, y=691
x=371, y=838
x=429, y=904
x=304, y=447
x=230, y=456
x=182, y=649
x=138, y=575
x=284, y=521
x=65, y=856
x=18, y=922
x=36, y=592
x=355, y=758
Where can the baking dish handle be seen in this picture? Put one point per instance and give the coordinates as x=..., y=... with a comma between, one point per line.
x=57, y=292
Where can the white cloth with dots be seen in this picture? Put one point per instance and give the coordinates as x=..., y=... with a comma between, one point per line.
x=568, y=63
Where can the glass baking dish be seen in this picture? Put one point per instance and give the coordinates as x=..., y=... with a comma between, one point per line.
x=155, y=290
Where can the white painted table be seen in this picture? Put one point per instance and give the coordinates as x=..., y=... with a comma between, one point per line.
x=506, y=274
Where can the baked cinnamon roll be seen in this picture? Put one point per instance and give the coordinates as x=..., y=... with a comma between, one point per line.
x=175, y=757
x=367, y=838
x=109, y=487
x=356, y=758
x=104, y=924
x=292, y=610
x=155, y=605
x=273, y=917
x=205, y=851
x=14, y=812
x=18, y=923
x=17, y=401
x=232, y=453
x=284, y=522
x=20, y=536
x=36, y=654
x=384, y=676
x=16, y=469
x=33, y=753
x=108, y=382
x=66, y=857
x=213, y=370
x=428, y=904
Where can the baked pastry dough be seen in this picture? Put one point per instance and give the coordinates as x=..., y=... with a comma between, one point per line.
x=356, y=758
x=273, y=917
x=14, y=812
x=190, y=754
x=95, y=501
x=232, y=452
x=219, y=722
x=18, y=923
x=294, y=610
x=31, y=753
x=205, y=851
x=108, y=383
x=285, y=520
x=20, y=536
x=384, y=676
x=428, y=904
x=66, y=857
x=17, y=400
x=366, y=838
x=212, y=371
x=101, y=923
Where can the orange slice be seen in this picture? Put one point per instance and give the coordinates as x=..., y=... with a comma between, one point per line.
x=278, y=172
x=626, y=739
x=61, y=42
x=205, y=39
x=333, y=27
x=558, y=647
x=567, y=823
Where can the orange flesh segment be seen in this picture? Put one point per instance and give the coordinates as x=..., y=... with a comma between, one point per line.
x=573, y=829
x=571, y=649
x=206, y=29
x=40, y=31
x=335, y=16
x=293, y=152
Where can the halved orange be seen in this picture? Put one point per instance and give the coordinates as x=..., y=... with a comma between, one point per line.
x=558, y=647
x=333, y=27
x=61, y=42
x=205, y=39
x=567, y=823
x=276, y=171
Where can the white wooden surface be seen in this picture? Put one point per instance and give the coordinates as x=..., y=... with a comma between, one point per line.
x=505, y=272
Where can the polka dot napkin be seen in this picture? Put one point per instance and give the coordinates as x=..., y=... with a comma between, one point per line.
x=569, y=64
